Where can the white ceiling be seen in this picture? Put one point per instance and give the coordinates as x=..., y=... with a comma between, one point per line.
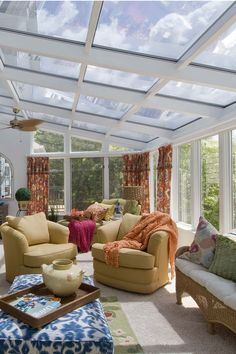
x=136, y=74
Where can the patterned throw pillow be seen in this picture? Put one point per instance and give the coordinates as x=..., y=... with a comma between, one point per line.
x=203, y=246
x=224, y=262
x=97, y=211
x=110, y=210
x=131, y=207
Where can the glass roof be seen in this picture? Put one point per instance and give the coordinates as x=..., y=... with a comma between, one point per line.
x=198, y=93
x=119, y=78
x=44, y=95
x=157, y=118
x=102, y=107
x=91, y=67
x=160, y=28
x=62, y=19
x=39, y=63
x=222, y=52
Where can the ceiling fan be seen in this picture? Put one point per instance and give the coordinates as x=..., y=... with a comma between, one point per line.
x=25, y=125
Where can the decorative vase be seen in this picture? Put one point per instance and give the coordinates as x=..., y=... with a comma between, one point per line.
x=62, y=277
x=23, y=204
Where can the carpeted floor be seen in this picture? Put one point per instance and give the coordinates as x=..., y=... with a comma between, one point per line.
x=159, y=324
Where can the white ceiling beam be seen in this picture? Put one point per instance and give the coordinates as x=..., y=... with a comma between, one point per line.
x=141, y=128
x=183, y=106
x=115, y=60
x=6, y=101
x=227, y=19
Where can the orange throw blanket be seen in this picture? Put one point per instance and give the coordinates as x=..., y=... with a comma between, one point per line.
x=139, y=235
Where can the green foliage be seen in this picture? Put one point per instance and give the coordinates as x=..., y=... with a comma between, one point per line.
x=211, y=205
x=52, y=142
x=84, y=145
x=22, y=194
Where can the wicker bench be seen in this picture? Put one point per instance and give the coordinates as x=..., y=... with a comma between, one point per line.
x=215, y=296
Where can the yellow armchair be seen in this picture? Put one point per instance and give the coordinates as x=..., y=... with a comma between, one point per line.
x=32, y=240
x=139, y=271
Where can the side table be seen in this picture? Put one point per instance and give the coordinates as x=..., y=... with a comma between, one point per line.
x=84, y=330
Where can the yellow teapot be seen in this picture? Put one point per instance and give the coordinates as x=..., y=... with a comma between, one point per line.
x=62, y=277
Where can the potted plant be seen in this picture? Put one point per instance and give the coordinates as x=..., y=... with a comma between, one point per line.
x=23, y=196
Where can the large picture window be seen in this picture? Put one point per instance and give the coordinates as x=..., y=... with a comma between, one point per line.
x=86, y=181
x=45, y=141
x=185, y=202
x=115, y=176
x=56, y=185
x=210, y=179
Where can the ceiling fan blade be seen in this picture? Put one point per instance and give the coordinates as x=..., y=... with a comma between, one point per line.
x=29, y=122
x=33, y=128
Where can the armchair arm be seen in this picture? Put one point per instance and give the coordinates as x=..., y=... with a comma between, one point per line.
x=57, y=233
x=108, y=232
x=15, y=246
x=158, y=247
x=181, y=250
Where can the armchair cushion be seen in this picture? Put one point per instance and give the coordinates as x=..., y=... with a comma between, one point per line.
x=129, y=258
x=47, y=252
x=128, y=221
x=34, y=227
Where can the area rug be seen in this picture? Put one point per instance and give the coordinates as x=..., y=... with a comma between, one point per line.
x=124, y=338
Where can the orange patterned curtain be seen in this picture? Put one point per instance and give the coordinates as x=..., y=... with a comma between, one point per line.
x=164, y=178
x=37, y=175
x=136, y=173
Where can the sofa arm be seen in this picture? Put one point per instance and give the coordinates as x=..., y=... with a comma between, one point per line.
x=181, y=250
x=107, y=232
x=158, y=247
x=57, y=233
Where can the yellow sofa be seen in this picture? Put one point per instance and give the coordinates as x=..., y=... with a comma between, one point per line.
x=139, y=271
x=32, y=240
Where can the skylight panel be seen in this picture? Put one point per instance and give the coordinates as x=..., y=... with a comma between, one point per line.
x=44, y=95
x=49, y=118
x=157, y=28
x=162, y=119
x=221, y=53
x=119, y=78
x=140, y=137
x=102, y=106
x=198, y=93
x=89, y=127
x=12, y=57
x=63, y=19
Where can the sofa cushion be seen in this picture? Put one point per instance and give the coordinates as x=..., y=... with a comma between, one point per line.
x=34, y=227
x=129, y=258
x=110, y=210
x=128, y=221
x=224, y=261
x=114, y=201
x=47, y=252
x=97, y=211
x=131, y=206
x=202, y=248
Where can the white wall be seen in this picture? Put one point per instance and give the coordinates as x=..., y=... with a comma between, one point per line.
x=15, y=145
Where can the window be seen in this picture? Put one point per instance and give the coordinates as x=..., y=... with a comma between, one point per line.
x=234, y=175
x=87, y=181
x=210, y=179
x=6, y=177
x=45, y=141
x=115, y=176
x=185, y=183
x=56, y=185
x=84, y=145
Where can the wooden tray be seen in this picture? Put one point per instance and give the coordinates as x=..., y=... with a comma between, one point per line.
x=85, y=294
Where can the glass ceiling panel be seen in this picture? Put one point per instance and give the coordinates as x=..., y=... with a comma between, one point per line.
x=221, y=53
x=160, y=28
x=63, y=19
x=198, y=93
x=58, y=67
x=89, y=127
x=102, y=107
x=144, y=138
x=44, y=95
x=3, y=89
x=161, y=119
x=119, y=78
x=48, y=118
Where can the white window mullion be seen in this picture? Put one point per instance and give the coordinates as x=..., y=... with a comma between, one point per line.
x=106, y=178
x=195, y=182
x=225, y=177
x=174, y=198
x=67, y=174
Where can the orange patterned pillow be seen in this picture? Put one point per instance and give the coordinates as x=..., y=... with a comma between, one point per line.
x=98, y=212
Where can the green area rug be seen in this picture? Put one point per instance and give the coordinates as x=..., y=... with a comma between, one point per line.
x=124, y=338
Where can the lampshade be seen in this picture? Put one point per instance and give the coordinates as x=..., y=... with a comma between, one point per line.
x=133, y=193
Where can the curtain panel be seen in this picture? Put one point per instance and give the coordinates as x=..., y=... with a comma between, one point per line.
x=164, y=168
x=136, y=173
x=37, y=182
